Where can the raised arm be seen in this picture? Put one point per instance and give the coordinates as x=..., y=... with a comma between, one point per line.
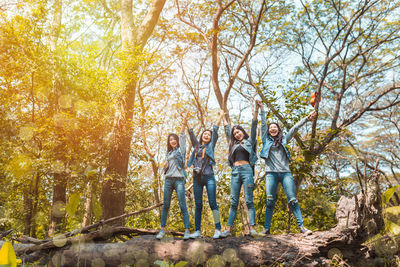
x=192, y=137
x=182, y=136
x=227, y=128
x=254, y=122
x=297, y=126
x=214, y=136
x=221, y=114
x=264, y=127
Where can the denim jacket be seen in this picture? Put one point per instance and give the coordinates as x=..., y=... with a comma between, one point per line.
x=268, y=141
x=210, y=146
x=248, y=144
x=179, y=153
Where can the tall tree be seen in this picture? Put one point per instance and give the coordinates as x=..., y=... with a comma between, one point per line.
x=347, y=50
x=230, y=39
x=60, y=177
x=134, y=39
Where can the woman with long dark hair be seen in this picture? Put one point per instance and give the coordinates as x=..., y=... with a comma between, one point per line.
x=202, y=160
x=175, y=179
x=277, y=158
x=242, y=158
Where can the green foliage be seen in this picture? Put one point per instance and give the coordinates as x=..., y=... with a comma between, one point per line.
x=391, y=213
x=72, y=205
x=388, y=194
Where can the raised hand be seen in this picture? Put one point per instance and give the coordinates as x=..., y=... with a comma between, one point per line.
x=259, y=104
x=221, y=115
x=184, y=115
x=312, y=116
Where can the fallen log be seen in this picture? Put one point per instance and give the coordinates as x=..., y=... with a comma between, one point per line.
x=359, y=217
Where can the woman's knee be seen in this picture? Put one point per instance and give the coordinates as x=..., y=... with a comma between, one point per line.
x=166, y=206
x=213, y=205
x=270, y=202
x=293, y=202
x=234, y=202
x=198, y=204
x=250, y=204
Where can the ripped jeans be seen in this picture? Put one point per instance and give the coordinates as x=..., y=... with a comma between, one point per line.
x=272, y=179
x=242, y=175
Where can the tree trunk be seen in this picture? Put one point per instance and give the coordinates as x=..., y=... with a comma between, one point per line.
x=59, y=203
x=28, y=208
x=35, y=204
x=133, y=41
x=31, y=196
x=87, y=217
x=59, y=181
x=156, y=179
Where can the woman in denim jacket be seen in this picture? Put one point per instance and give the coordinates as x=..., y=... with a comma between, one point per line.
x=175, y=179
x=242, y=158
x=277, y=157
x=203, y=161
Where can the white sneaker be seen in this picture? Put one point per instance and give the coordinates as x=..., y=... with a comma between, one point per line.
x=196, y=234
x=253, y=233
x=217, y=234
x=266, y=232
x=225, y=233
x=186, y=235
x=305, y=231
x=160, y=234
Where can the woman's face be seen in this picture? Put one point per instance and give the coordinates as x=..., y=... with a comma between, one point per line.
x=173, y=142
x=238, y=134
x=206, y=137
x=273, y=130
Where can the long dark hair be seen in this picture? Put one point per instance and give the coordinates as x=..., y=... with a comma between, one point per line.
x=201, y=136
x=169, y=147
x=233, y=140
x=278, y=137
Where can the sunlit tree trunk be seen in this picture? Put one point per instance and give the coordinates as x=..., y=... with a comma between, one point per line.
x=87, y=217
x=133, y=41
x=59, y=179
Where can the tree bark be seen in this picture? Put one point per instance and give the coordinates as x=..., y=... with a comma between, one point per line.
x=30, y=206
x=59, y=180
x=133, y=41
x=59, y=202
x=35, y=197
x=87, y=217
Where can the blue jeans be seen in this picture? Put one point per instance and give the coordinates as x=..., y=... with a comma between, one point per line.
x=242, y=175
x=179, y=185
x=272, y=179
x=209, y=182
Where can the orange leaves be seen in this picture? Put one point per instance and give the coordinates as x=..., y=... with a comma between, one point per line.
x=315, y=97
